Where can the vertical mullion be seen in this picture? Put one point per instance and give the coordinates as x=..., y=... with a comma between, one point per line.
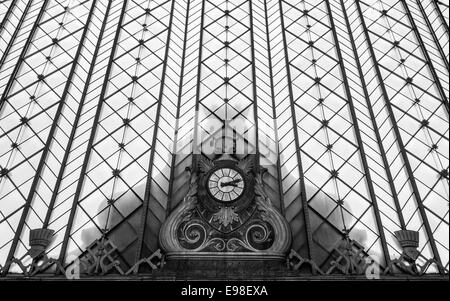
x=272, y=93
x=399, y=140
x=75, y=125
x=297, y=143
x=148, y=187
x=255, y=96
x=22, y=54
x=427, y=57
x=374, y=122
x=180, y=91
x=92, y=136
x=358, y=138
x=46, y=149
x=197, y=97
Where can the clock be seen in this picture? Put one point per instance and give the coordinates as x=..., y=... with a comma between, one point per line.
x=226, y=184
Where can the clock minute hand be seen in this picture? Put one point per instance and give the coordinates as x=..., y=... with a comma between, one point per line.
x=231, y=183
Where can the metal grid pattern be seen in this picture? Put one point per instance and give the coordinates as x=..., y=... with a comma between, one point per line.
x=104, y=104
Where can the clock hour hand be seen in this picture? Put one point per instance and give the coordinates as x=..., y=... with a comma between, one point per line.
x=228, y=184
x=231, y=183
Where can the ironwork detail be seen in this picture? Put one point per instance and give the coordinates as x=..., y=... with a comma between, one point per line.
x=154, y=261
x=248, y=224
x=349, y=258
x=100, y=258
x=406, y=263
x=39, y=241
x=295, y=262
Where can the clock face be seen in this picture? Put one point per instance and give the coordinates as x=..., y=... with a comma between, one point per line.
x=226, y=184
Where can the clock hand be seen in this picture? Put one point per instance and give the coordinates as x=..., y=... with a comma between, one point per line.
x=231, y=183
x=235, y=181
x=228, y=184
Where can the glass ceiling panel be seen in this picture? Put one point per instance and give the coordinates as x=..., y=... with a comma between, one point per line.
x=105, y=104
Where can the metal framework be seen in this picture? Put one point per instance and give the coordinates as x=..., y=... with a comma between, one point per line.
x=103, y=105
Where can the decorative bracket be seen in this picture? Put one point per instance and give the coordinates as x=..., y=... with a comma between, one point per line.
x=39, y=241
x=409, y=241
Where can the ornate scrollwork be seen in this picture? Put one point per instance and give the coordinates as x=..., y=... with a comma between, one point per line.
x=193, y=235
x=197, y=235
x=259, y=236
x=406, y=263
x=195, y=228
x=40, y=239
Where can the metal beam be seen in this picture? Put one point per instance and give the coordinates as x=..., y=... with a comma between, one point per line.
x=255, y=94
x=274, y=112
x=309, y=242
x=399, y=140
x=180, y=92
x=141, y=232
x=197, y=97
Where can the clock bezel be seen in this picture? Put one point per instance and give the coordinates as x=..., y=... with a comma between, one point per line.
x=213, y=171
x=240, y=202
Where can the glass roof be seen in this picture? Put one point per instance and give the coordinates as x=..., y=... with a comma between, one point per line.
x=103, y=104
